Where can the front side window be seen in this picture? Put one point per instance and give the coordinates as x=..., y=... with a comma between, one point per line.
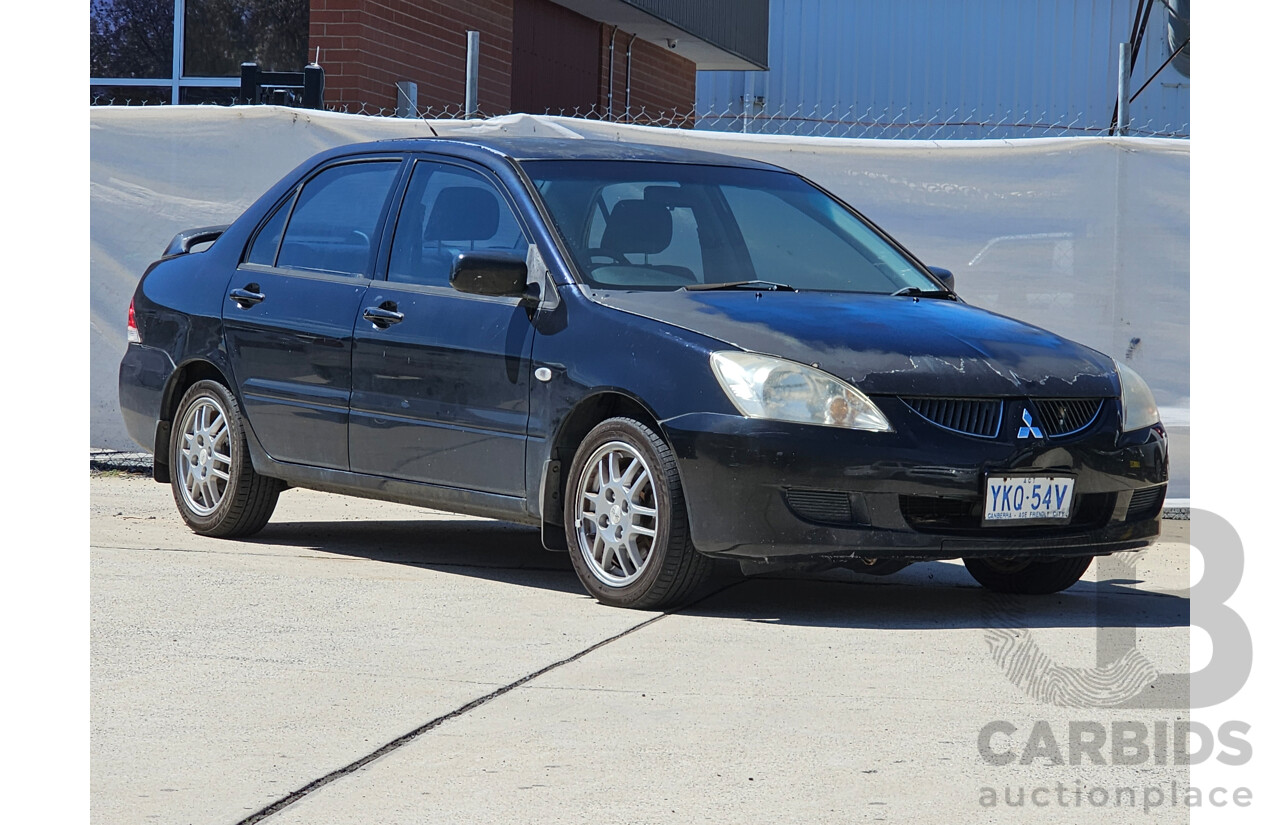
x=449, y=209
x=666, y=226
x=335, y=221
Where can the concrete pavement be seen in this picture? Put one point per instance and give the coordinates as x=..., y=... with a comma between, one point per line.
x=364, y=662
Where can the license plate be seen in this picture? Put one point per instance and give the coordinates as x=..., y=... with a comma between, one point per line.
x=1024, y=498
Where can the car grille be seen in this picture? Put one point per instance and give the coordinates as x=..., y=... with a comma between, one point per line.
x=1146, y=504
x=961, y=516
x=1064, y=416
x=981, y=416
x=831, y=507
x=972, y=416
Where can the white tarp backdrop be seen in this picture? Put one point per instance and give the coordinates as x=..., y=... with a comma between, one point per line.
x=1087, y=237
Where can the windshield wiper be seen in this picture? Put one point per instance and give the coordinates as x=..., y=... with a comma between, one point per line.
x=766, y=285
x=917, y=292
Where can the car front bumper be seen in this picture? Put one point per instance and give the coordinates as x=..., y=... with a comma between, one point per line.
x=771, y=490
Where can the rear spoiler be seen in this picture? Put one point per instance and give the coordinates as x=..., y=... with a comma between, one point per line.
x=184, y=240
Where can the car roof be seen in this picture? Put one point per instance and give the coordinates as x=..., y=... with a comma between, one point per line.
x=537, y=148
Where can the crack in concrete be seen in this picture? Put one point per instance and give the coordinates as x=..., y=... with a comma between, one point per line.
x=395, y=744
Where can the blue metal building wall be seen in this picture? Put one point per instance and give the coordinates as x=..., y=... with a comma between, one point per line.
x=948, y=69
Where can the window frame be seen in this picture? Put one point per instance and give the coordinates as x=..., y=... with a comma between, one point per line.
x=176, y=81
x=285, y=203
x=378, y=242
x=382, y=270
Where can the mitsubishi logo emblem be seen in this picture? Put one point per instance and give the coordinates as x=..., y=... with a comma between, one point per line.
x=1028, y=428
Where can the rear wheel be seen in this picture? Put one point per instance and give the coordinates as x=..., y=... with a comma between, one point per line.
x=1026, y=577
x=214, y=483
x=625, y=520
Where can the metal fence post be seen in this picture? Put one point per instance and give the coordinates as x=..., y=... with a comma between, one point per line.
x=1122, y=92
x=406, y=98
x=473, y=73
x=179, y=44
x=248, y=83
x=312, y=87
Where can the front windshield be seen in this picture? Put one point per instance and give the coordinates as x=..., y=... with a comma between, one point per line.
x=639, y=225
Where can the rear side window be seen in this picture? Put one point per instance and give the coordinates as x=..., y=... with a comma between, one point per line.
x=267, y=240
x=335, y=221
x=449, y=209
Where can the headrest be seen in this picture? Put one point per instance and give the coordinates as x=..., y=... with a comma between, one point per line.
x=462, y=213
x=637, y=226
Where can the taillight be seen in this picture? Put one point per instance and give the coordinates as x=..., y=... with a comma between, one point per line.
x=134, y=336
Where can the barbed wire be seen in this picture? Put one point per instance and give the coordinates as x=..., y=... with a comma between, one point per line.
x=833, y=122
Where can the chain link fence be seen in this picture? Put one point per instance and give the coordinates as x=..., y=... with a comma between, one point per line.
x=834, y=122
x=119, y=461
x=938, y=125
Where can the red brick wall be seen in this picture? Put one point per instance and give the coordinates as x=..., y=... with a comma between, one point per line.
x=368, y=45
x=555, y=60
x=663, y=84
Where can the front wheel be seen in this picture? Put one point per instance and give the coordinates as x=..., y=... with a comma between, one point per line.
x=214, y=483
x=625, y=520
x=1027, y=577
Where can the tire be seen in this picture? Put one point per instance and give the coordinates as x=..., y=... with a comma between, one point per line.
x=1026, y=577
x=214, y=483
x=626, y=522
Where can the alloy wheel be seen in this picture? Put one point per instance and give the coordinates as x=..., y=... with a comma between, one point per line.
x=617, y=517
x=204, y=456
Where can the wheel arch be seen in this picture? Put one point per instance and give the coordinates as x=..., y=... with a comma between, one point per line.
x=582, y=418
x=187, y=374
x=590, y=411
x=669, y=570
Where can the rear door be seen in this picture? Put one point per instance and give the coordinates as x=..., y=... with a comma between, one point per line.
x=291, y=306
x=441, y=383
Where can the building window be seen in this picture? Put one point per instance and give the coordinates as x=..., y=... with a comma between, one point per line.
x=190, y=51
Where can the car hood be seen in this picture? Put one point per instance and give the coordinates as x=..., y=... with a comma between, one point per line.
x=887, y=345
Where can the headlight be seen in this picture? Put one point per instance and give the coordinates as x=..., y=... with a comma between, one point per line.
x=762, y=386
x=1137, y=404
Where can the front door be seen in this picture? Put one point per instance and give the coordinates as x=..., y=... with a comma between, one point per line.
x=441, y=378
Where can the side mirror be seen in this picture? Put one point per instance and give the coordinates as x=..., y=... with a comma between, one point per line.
x=498, y=274
x=944, y=275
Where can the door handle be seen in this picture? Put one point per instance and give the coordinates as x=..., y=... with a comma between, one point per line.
x=248, y=296
x=383, y=316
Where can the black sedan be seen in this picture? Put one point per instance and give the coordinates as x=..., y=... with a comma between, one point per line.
x=661, y=357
